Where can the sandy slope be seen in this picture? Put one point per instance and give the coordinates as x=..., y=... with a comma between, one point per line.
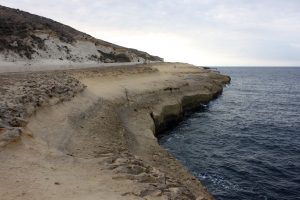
x=101, y=143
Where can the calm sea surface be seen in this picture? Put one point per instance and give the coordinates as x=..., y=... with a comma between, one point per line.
x=246, y=143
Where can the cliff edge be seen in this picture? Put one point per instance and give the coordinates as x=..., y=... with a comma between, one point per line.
x=90, y=133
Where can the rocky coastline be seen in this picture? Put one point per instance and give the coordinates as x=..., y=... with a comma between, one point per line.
x=90, y=133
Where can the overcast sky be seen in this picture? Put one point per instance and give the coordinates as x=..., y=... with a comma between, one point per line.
x=200, y=32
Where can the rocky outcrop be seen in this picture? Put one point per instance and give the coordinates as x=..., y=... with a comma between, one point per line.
x=145, y=117
x=107, y=128
x=21, y=95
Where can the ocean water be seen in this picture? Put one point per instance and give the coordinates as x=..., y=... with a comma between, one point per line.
x=246, y=143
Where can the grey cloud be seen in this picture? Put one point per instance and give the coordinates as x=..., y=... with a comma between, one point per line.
x=257, y=29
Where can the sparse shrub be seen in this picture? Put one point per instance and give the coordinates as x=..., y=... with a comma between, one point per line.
x=67, y=50
x=28, y=55
x=110, y=56
x=58, y=47
x=122, y=58
x=95, y=58
x=47, y=25
x=36, y=38
x=40, y=42
x=145, y=55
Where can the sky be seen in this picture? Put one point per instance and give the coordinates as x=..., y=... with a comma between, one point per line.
x=200, y=32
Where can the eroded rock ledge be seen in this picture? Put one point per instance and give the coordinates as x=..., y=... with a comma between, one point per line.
x=92, y=132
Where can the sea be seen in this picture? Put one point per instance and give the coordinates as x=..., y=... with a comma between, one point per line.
x=245, y=144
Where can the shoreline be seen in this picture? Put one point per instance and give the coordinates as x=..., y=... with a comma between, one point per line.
x=101, y=143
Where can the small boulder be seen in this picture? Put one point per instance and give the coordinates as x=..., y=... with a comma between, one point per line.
x=15, y=44
x=107, y=60
x=3, y=124
x=176, y=192
x=18, y=122
x=201, y=198
x=9, y=136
